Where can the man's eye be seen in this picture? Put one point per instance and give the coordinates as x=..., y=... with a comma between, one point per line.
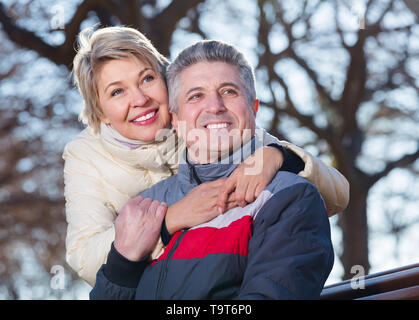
x=195, y=96
x=229, y=92
x=116, y=92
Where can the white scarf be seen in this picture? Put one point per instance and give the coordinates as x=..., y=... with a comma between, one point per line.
x=109, y=134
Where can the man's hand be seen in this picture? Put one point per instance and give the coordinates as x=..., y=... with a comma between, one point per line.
x=250, y=177
x=198, y=206
x=137, y=227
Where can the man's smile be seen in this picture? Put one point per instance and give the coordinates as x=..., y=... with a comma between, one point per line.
x=217, y=125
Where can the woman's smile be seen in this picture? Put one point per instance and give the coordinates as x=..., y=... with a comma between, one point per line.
x=146, y=118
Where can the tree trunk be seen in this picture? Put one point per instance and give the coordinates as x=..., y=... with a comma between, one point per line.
x=354, y=226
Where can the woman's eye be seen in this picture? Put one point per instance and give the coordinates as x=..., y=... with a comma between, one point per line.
x=116, y=92
x=148, y=78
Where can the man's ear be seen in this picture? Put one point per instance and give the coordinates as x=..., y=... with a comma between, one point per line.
x=175, y=122
x=178, y=125
x=255, y=107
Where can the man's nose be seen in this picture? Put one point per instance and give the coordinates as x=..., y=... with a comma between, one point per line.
x=138, y=98
x=215, y=104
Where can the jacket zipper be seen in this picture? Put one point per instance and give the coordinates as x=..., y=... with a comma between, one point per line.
x=163, y=272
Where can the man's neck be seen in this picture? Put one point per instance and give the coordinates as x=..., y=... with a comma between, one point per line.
x=196, y=157
x=201, y=154
x=234, y=156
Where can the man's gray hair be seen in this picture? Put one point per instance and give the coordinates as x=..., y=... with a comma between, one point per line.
x=209, y=51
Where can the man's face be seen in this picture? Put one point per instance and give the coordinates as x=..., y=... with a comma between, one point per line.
x=214, y=115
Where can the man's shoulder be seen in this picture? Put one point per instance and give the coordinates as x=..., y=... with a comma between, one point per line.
x=163, y=190
x=290, y=193
x=285, y=179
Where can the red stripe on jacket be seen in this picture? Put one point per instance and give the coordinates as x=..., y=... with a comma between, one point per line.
x=197, y=243
x=170, y=245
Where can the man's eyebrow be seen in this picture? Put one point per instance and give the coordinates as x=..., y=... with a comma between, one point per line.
x=231, y=84
x=194, y=89
x=224, y=84
x=119, y=81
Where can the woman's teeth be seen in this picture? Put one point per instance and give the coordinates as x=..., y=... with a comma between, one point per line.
x=146, y=117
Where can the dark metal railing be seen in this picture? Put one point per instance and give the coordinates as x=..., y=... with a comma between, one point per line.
x=395, y=284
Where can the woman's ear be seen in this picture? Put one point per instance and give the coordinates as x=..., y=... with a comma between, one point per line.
x=105, y=121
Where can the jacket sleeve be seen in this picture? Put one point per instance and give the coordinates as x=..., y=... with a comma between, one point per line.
x=331, y=184
x=290, y=253
x=118, y=278
x=90, y=229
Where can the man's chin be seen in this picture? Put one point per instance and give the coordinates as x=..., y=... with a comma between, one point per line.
x=213, y=145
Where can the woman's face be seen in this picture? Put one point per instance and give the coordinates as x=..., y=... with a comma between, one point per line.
x=133, y=98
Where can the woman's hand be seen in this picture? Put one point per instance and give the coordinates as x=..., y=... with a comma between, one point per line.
x=137, y=227
x=198, y=206
x=206, y=201
x=250, y=178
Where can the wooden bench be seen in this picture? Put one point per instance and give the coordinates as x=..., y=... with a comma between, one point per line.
x=395, y=284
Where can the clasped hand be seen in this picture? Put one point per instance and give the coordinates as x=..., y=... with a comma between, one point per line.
x=137, y=227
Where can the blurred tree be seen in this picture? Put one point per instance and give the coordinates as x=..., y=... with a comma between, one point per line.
x=338, y=86
x=355, y=100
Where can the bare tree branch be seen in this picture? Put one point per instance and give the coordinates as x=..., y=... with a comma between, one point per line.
x=413, y=5
x=164, y=23
x=29, y=40
x=268, y=60
x=60, y=55
x=72, y=28
x=290, y=52
x=30, y=199
x=403, y=162
x=194, y=23
x=375, y=28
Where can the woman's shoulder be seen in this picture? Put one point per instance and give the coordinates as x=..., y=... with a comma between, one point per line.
x=85, y=142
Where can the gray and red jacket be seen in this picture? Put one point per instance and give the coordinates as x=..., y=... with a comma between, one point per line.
x=278, y=247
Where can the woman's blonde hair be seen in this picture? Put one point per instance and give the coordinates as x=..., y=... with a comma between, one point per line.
x=94, y=49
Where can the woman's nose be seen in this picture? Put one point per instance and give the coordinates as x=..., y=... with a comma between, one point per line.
x=138, y=98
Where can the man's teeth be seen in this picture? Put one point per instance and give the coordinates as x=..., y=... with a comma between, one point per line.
x=146, y=117
x=217, y=126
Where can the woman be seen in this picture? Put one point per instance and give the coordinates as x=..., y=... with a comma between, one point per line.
x=122, y=152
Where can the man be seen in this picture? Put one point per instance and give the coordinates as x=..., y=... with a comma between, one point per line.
x=277, y=247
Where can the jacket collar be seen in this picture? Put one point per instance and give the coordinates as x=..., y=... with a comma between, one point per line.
x=193, y=173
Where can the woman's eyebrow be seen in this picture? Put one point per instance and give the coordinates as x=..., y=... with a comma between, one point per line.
x=119, y=81
x=111, y=84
